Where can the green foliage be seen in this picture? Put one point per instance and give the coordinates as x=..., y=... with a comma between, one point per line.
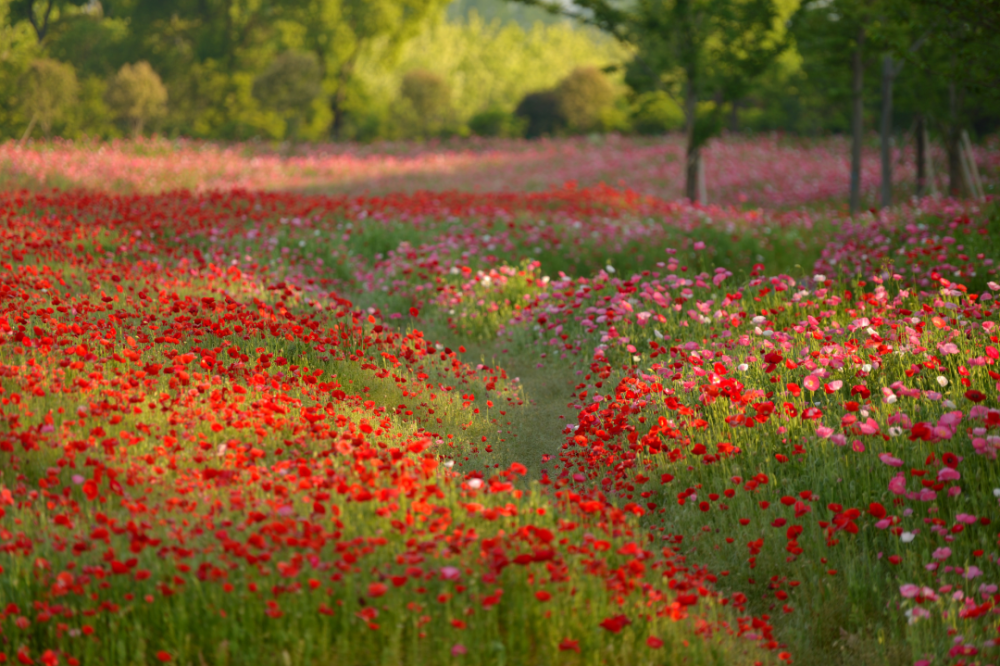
x=542, y=113
x=136, y=95
x=18, y=47
x=207, y=101
x=488, y=64
x=96, y=46
x=493, y=53
x=342, y=32
x=656, y=112
x=496, y=122
x=703, y=50
x=288, y=86
x=90, y=116
x=210, y=53
x=428, y=101
x=48, y=90
x=584, y=97
x=41, y=13
x=966, y=32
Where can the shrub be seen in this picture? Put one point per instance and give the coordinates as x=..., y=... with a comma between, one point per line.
x=288, y=87
x=584, y=97
x=90, y=115
x=136, y=95
x=429, y=98
x=542, y=113
x=496, y=123
x=50, y=89
x=656, y=113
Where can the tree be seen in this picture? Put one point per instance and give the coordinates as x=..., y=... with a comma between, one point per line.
x=541, y=114
x=339, y=31
x=495, y=122
x=429, y=97
x=136, y=95
x=702, y=52
x=958, y=45
x=288, y=86
x=208, y=53
x=968, y=30
x=833, y=36
x=583, y=97
x=97, y=46
x=50, y=89
x=39, y=13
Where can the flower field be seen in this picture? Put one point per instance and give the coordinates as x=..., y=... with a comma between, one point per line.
x=769, y=171
x=577, y=425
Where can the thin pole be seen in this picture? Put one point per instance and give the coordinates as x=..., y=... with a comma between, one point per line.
x=977, y=183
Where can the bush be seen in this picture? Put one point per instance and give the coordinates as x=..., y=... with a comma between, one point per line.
x=288, y=87
x=656, y=113
x=542, y=113
x=136, y=95
x=496, y=123
x=429, y=98
x=584, y=97
x=49, y=91
x=90, y=116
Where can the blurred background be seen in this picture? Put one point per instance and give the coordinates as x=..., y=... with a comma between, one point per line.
x=370, y=70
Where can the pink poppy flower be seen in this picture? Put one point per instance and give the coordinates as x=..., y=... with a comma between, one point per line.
x=890, y=460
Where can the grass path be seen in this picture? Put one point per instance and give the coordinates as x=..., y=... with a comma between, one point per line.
x=536, y=430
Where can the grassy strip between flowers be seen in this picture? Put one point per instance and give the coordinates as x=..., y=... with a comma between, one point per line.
x=225, y=446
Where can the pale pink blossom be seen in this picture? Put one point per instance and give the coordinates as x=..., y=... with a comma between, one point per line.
x=890, y=460
x=811, y=383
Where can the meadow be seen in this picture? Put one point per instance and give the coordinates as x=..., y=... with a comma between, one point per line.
x=770, y=170
x=492, y=403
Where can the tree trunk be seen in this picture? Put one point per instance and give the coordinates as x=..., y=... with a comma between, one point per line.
x=920, y=134
x=41, y=29
x=885, y=129
x=957, y=185
x=691, y=183
x=693, y=151
x=857, y=120
x=27, y=131
x=339, y=97
x=702, y=189
x=337, y=108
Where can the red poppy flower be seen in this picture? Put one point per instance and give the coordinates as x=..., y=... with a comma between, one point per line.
x=616, y=623
x=975, y=396
x=568, y=644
